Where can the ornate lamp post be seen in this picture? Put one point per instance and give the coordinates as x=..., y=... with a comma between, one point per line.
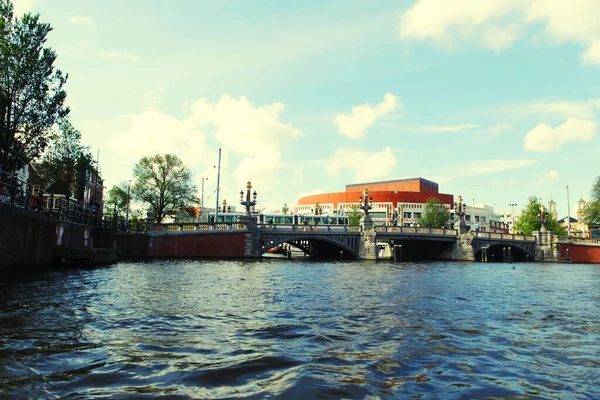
x=366, y=203
x=460, y=208
x=542, y=218
x=248, y=203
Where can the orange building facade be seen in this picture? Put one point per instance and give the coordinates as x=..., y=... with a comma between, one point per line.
x=403, y=197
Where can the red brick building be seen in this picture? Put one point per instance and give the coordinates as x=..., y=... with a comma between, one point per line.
x=404, y=196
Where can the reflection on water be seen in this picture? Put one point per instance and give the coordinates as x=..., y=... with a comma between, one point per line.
x=288, y=329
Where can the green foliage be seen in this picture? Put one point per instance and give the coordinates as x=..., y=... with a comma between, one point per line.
x=354, y=215
x=164, y=184
x=592, y=208
x=66, y=162
x=285, y=209
x=434, y=214
x=117, y=198
x=529, y=221
x=31, y=88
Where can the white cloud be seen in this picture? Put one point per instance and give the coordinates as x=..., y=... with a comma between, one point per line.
x=592, y=54
x=481, y=167
x=23, y=6
x=82, y=20
x=497, y=25
x=549, y=177
x=446, y=128
x=543, y=138
x=121, y=55
x=153, y=132
x=355, y=124
x=380, y=164
x=255, y=133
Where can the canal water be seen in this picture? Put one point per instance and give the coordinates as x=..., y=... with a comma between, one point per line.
x=302, y=330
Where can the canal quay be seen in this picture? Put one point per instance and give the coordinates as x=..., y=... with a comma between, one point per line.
x=32, y=239
x=302, y=329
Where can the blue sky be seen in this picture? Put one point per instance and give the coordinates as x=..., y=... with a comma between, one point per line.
x=494, y=100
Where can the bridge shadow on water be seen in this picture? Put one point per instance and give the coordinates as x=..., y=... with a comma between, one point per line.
x=499, y=253
x=424, y=250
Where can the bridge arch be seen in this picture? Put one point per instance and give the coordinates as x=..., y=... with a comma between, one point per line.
x=348, y=243
x=519, y=251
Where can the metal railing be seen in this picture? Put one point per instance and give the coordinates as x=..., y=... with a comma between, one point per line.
x=505, y=236
x=320, y=228
x=412, y=230
x=24, y=195
x=198, y=227
x=574, y=239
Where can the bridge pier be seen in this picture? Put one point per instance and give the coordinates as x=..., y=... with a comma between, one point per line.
x=252, y=242
x=367, y=249
x=546, y=250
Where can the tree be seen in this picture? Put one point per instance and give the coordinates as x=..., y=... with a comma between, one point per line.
x=434, y=214
x=285, y=209
x=31, y=88
x=529, y=221
x=354, y=215
x=117, y=200
x=592, y=208
x=164, y=184
x=65, y=161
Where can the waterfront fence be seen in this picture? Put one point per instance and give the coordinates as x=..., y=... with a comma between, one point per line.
x=23, y=194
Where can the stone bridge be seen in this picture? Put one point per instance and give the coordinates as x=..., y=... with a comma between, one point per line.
x=337, y=241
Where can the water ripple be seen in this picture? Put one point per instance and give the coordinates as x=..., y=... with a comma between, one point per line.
x=287, y=329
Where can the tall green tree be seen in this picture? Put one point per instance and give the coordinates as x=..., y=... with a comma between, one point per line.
x=65, y=160
x=31, y=88
x=117, y=199
x=285, y=209
x=529, y=221
x=434, y=214
x=592, y=208
x=354, y=215
x=164, y=184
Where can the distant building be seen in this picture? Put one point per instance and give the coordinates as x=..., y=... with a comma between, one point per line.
x=403, y=198
x=576, y=227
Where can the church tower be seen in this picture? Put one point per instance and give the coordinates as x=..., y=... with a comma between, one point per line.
x=552, y=209
x=581, y=216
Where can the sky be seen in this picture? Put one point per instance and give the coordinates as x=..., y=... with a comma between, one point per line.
x=495, y=100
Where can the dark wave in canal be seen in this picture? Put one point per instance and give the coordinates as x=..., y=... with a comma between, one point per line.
x=286, y=329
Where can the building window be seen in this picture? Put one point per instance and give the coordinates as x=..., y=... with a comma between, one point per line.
x=406, y=215
x=417, y=215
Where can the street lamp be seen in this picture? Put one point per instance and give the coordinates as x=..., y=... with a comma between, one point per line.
x=513, y=205
x=367, y=203
x=542, y=218
x=202, y=200
x=248, y=203
x=460, y=206
x=128, y=191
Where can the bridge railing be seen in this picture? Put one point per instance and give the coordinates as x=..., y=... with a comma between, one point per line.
x=309, y=228
x=199, y=227
x=424, y=231
x=505, y=236
x=573, y=239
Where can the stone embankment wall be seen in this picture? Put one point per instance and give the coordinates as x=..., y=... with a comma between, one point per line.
x=580, y=252
x=30, y=239
x=213, y=244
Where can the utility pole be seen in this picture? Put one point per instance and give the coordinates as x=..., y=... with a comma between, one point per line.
x=202, y=201
x=568, y=214
x=128, y=197
x=218, y=182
